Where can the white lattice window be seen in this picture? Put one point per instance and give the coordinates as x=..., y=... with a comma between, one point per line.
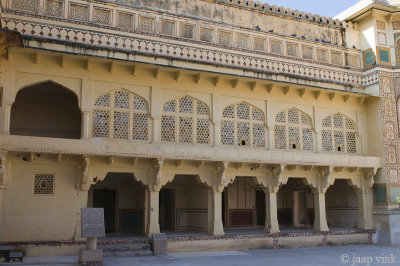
x=292, y=49
x=102, y=16
x=125, y=20
x=353, y=60
x=224, y=38
x=168, y=27
x=54, y=8
x=44, y=184
x=206, y=34
x=147, y=24
x=187, y=31
x=336, y=57
x=308, y=52
x=322, y=55
x=259, y=44
x=339, y=134
x=24, y=5
x=276, y=47
x=243, y=125
x=243, y=41
x=186, y=120
x=79, y=12
x=121, y=115
x=293, y=131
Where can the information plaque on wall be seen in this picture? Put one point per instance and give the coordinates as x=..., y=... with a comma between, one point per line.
x=92, y=222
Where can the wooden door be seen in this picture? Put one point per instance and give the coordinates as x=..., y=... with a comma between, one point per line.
x=260, y=207
x=104, y=198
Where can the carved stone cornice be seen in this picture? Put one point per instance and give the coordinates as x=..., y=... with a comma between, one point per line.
x=9, y=39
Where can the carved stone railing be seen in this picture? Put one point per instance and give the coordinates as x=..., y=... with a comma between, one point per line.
x=133, y=18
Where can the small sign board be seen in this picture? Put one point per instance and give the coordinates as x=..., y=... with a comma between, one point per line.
x=92, y=222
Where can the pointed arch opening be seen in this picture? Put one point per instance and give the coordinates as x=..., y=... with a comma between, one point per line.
x=293, y=131
x=341, y=205
x=46, y=110
x=186, y=120
x=124, y=202
x=121, y=115
x=338, y=134
x=183, y=206
x=243, y=125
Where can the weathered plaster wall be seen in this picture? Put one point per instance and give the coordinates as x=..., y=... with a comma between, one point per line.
x=32, y=217
x=245, y=18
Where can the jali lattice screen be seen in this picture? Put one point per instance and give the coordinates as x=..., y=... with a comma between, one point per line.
x=339, y=134
x=243, y=125
x=121, y=115
x=186, y=120
x=293, y=131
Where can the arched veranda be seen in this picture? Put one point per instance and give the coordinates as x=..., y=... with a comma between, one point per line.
x=124, y=202
x=46, y=110
x=341, y=205
x=183, y=206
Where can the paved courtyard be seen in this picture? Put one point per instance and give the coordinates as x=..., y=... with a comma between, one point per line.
x=340, y=255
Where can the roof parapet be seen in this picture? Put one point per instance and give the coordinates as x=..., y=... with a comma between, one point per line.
x=282, y=11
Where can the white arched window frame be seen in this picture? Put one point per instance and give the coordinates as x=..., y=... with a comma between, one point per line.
x=186, y=120
x=293, y=131
x=121, y=115
x=243, y=125
x=338, y=134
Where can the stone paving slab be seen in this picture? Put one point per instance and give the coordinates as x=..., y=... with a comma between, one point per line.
x=352, y=255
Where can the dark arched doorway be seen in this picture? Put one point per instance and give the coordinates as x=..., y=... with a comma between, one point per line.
x=46, y=110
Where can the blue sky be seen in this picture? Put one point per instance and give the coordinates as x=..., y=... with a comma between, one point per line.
x=322, y=7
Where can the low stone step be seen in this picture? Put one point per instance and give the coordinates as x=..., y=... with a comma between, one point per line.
x=132, y=253
x=124, y=247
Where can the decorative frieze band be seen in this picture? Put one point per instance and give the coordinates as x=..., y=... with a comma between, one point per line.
x=267, y=63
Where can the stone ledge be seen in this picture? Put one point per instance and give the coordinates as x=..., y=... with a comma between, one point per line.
x=267, y=235
x=386, y=212
x=181, y=152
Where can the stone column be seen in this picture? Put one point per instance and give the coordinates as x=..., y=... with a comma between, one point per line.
x=320, y=223
x=2, y=215
x=156, y=130
x=86, y=129
x=4, y=184
x=364, y=209
x=153, y=226
x=271, y=210
x=7, y=119
x=215, y=226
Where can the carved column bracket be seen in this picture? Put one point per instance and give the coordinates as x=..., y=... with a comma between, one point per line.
x=5, y=177
x=326, y=179
x=157, y=182
x=370, y=177
x=221, y=181
x=85, y=181
x=277, y=172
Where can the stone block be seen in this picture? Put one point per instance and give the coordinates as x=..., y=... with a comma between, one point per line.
x=92, y=222
x=159, y=244
x=86, y=256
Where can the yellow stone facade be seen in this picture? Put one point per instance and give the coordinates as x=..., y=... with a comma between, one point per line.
x=188, y=118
